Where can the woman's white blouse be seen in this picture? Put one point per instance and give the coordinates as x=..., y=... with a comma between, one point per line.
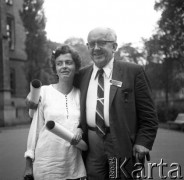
x=53, y=157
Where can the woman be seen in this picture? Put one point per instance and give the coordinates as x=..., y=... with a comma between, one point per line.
x=48, y=156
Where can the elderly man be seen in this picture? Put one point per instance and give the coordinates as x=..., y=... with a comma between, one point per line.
x=118, y=115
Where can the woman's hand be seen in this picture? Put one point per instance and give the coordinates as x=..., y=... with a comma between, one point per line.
x=28, y=173
x=77, y=137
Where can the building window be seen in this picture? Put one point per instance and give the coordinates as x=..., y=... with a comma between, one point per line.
x=13, y=81
x=10, y=32
x=9, y=2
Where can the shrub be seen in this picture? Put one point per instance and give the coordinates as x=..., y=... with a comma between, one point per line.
x=169, y=114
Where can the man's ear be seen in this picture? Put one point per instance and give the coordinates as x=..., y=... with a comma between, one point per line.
x=115, y=45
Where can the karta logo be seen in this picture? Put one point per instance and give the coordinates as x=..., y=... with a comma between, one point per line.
x=117, y=168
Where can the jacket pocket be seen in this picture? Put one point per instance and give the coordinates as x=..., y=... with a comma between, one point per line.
x=127, y=94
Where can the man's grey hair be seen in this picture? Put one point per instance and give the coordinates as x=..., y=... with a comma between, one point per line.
x=110, y=33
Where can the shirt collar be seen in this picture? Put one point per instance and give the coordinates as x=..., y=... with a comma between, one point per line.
x=107, y=69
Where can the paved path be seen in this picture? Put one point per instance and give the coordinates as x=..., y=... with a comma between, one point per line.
x=12, y=148
x=169, y=145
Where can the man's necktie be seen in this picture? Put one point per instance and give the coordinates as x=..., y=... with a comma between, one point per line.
x=100, y=123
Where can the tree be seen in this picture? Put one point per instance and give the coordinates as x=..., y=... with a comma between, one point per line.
x=168, y=44
x=131, y=54
x=171, y=25
x=34, y=21
x=79, y=45
x=166, y=48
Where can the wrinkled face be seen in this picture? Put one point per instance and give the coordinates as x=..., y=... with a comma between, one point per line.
x=65, y=67
x=101, y=47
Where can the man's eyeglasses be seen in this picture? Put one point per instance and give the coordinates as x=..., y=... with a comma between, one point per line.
x=99, y=43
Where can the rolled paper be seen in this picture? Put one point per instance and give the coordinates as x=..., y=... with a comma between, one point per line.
x=65, y=134
x=34, y=95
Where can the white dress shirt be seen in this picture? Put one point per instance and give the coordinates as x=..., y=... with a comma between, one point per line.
x=91, y=100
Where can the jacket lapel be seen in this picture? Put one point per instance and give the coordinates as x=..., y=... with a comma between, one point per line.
x=116, y=75
x=84, y=86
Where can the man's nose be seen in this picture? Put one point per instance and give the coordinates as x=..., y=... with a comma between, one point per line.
x=96, y=46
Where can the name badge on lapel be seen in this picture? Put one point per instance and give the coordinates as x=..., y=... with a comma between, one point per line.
x=116, y=83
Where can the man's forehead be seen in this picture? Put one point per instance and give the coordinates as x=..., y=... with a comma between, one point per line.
x=100, y=33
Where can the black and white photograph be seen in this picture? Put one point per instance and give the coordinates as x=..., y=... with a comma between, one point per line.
x=91, y=89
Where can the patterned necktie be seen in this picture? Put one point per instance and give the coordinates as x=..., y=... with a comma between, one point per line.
x=100, y=123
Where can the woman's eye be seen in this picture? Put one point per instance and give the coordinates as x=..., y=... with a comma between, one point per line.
x=69, y=62
x=58, y=63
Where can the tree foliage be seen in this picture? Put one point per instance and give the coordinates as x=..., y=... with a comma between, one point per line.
x=171, y=26
x=167, y=46
x=79, y=45
x=131, y=54
x=34, y=21
x=165, y=50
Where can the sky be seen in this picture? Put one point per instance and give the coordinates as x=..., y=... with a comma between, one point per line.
x=132, y=20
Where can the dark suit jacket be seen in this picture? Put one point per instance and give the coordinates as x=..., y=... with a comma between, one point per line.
x=132, y=116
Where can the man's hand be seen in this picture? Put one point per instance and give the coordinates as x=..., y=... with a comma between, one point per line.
x=139, y=152
x=77, y=137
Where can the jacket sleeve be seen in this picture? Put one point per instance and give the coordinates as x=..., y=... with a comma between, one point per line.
x=146, y=111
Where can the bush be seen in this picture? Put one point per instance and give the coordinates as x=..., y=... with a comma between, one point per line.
x=169, y=114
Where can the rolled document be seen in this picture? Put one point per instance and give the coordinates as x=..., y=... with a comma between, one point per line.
x=34, y=95
x=64, y=133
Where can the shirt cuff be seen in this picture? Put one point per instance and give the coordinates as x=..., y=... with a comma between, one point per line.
x=29, y=153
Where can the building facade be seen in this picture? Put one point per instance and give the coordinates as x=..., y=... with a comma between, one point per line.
x=12, y=60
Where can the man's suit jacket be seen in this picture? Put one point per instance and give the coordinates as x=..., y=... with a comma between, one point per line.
x=132, y=114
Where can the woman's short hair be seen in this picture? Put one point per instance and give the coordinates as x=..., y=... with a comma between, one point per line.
x=65, y=49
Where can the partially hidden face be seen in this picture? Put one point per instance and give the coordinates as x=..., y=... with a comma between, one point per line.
x=101, y=47
x=65, y=66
